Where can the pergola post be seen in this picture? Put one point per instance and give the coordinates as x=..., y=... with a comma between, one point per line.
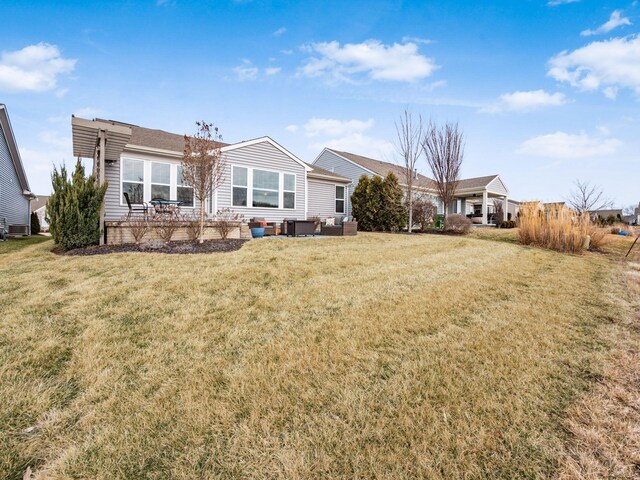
x=485, y=206
x=101, y=177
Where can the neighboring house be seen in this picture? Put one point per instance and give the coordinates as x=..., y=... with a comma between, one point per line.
x=473, y=195
x=15, y=194
x=263, y=179
x=39, y=207
x=605, y=214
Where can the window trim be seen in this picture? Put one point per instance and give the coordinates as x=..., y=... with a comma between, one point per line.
x=152, y=183
x=233, y=185
x=250, y=188
x=193, y=190
x=336, y=198
x=295, y=185
x=146, y=183
x=143, y=182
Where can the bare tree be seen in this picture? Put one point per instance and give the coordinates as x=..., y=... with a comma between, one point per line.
x=498, y=212
x=409, y=133
x=444, y=149
x=203, y=166
x=587, y=198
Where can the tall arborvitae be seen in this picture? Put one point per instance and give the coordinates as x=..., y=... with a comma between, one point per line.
x=73, y=209
x=359, y=207
x=393, y=214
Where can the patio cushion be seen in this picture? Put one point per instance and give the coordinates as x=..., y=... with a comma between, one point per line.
x=330, y=222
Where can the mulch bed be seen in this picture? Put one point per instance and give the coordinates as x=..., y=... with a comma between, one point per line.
x=184, y=247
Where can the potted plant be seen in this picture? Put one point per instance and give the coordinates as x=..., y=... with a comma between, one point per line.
x=257, y=232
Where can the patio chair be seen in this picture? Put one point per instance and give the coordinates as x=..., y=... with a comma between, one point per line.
x=4, y=229
x=144, y=208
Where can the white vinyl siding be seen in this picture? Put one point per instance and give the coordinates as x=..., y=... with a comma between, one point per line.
x=322, y=198
x=14, y=206
x=262, y=157
x=338, y=165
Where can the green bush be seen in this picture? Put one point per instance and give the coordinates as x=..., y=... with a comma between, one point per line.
x=376, y=204
x=73, y=209
x=35, y=224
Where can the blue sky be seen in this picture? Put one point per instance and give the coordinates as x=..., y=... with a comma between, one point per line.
x=546, y=92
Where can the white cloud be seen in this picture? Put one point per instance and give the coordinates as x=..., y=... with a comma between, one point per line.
x=424, y=41
x=272, y=70
x=555, y=3
x=606, y=65
x=397, y=62
x=359, y=144
x=35, y=68
x=561, y=145
x=349, y=135
x=526, y=101
x=279, y=32
x=246, y=71
x=615, y=20
x=331, y=127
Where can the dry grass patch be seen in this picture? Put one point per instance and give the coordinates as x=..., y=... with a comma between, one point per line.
x=390, y=356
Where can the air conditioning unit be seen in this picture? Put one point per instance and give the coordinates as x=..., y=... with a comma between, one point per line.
x=19, y=229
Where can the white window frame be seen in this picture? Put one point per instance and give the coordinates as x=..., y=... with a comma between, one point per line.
x=146, y=183
x=171, y=178
x=336, y=198
x=295, y=180
x=247, y=187
x=193, y=190
x=143, y=182
x=250, y=188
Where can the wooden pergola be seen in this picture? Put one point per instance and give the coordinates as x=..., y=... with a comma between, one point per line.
x=103, y=142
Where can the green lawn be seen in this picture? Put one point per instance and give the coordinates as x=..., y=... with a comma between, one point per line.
x=376, y=356
x=17, y=243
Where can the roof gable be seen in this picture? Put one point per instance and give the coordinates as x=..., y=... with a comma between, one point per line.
x=321, y=173
x=13, y=149
x=269, y=140
x=378, y=167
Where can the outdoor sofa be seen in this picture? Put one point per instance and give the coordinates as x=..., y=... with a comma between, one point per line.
x=342, y=228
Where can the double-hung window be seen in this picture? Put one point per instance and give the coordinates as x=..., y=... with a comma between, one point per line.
x=160, y=181
x=266, y=189
x=133, y=180
x=239, y=186
x=340, y=191
x=184, y=192
x=289, y=191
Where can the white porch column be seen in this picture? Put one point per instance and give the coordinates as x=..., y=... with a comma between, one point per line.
x=485, y=206
x=505, y=209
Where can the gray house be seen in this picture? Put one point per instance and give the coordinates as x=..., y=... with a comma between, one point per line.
x=15, y=194
x=263, y=179
x=473, y=196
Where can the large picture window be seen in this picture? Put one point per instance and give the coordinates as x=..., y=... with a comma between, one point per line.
x=340, y=191
x=240, y=187
x=184, y=192
x=266, y=189
x=289, y=191
x=160, y=181
x=133, y=180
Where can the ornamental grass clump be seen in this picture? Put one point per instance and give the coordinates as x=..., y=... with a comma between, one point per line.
x=558, y=228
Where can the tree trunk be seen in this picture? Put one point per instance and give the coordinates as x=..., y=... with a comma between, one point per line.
x=201, y=221
x=410, y=212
